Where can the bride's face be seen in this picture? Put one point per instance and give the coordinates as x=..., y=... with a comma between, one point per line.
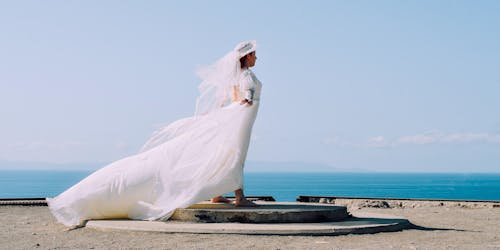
x=251, y=58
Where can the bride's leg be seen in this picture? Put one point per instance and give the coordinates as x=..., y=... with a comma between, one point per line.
x=220, y=199
x=241, y=201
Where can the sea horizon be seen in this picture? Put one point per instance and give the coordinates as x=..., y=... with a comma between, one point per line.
x=252, y=170
x=287, y=186
x=279, y=171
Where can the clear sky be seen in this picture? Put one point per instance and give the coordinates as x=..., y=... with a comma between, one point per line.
x=407, y=86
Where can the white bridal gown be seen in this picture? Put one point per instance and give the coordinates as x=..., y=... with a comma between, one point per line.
x=188, y=161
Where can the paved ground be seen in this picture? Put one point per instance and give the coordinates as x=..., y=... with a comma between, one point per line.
x=442, y=228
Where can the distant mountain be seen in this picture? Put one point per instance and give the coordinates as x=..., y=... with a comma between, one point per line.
x=28, y=165
x=265, y=166
x=250, y=166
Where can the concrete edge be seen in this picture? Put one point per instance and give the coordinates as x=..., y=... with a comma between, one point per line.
x=305, y=229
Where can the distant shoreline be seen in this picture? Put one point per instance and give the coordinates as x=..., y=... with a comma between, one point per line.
x=300, y=198
x=267, y=172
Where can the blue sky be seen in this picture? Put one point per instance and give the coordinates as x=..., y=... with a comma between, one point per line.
x=407, y=86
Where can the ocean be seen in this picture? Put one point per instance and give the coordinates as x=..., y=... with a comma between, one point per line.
x=287, y=186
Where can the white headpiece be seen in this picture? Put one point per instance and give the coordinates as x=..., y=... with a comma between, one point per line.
x=245, y=48
x=218, y=79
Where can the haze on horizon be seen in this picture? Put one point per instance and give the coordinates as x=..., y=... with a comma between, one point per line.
x=402, y=86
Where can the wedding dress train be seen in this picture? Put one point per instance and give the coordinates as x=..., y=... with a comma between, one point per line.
x=188, y=161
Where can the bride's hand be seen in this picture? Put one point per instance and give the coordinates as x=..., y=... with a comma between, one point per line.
x=246, y=101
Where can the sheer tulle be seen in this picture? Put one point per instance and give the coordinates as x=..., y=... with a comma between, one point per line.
x=202, y=158
x=219, y=78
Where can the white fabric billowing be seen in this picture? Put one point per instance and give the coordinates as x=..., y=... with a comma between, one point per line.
x=188, y=161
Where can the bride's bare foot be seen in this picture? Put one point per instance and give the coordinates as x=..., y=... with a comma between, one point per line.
x=220, y=199
x=245, y=203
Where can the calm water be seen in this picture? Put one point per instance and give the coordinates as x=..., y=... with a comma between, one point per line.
x=287, y=186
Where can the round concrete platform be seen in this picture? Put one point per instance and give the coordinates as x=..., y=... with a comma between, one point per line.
x=353, y=225
x=359, y=223
x=266, y=212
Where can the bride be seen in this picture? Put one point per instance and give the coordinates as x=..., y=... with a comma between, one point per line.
x=188, y=161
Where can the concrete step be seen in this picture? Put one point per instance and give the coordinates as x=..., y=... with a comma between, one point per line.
x=266, y=212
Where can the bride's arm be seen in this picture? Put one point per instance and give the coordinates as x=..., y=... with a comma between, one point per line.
x=236, y=93
x=248, y=97
x=248, y=89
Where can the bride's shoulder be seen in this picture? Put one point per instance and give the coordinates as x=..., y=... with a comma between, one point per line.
x=246, y=72
x=248, y=77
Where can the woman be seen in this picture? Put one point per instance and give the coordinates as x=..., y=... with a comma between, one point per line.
x=188, y=161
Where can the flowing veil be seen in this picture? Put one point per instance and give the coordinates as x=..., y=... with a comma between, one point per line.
x=217, y=81
x=219, y=78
